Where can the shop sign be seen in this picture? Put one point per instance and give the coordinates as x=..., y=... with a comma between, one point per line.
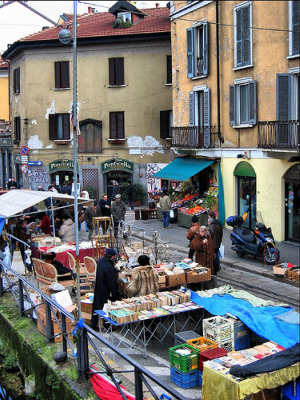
x=17, y=158
x=119, y=163
x=61, y=165
x=5, y=142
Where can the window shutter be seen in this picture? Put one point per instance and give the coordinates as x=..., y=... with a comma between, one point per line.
x=283, y=88
x=169, y=69
x=246, y=50
x=120, y=133
x=52, y=126
x=66, y=126
x=57, y=74
x=112, y=125
x=65, y=76
x=111, y=68
x=190, y=52
x=239, y=36
x=17, y=121
x=119, y=71
x=232, y=106
x=192, y=108
x=164, y=124
x=16, y=82
x=206, y=100
x=295, y=27
x=205, y=49
x=252, y=103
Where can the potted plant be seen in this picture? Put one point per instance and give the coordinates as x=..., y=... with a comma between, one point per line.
x=139, y=194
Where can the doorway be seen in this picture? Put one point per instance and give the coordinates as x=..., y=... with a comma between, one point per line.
x=59, y=177
x=121, y=177
x=246, y=192
x=292, y=204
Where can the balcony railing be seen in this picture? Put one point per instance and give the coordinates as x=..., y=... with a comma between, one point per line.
x=278, y=134
x=189, y=137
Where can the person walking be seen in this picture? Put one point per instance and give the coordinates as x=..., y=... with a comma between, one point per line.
x=89, y=214
x=165, y=204
x=204, y=248
x=216, y=231
x=105, y=210
x=118, y=211
x=12, y=184
x=106, y=285
x=195, y=226
x=130, y=194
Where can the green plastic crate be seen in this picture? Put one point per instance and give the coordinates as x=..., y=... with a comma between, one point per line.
x=184, y=363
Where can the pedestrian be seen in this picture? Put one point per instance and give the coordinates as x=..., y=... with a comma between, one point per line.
x=115, y=190
x=20, y=232
x=85, y=195
x=41, y=189
x=106, y=285
x=195, y=226
x=204, y=248
x=144, y=279
x=12, y=184
x=45, y=224
x=165, y=204
x=118, y=211
x=216, y=231
x=67, y=230
x=105, y=210
x=130, y=194
x=66, y=188
x=90, y=213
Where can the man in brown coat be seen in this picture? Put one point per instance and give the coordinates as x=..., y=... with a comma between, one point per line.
x=195, y=226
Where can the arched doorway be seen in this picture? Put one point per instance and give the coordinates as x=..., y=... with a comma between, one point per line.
x=292, y=204
x=246, y=192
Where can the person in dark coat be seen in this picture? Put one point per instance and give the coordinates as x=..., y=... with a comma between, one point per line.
x=106, y=286
x=89, y=214
x=216, y=231
x=118, y=211
x=104, y=205
x=195, y=227
x=130, y=194
x=60, y=268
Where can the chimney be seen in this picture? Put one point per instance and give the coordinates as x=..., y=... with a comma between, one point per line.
x=157, y=5
x=91, y=10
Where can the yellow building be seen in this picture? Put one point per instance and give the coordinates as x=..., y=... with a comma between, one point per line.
x=4, y=103
x=124, y=94
x=236, y=81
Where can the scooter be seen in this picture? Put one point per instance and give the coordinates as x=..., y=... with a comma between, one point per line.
x=258, y=242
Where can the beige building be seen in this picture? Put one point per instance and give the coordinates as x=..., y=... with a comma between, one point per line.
x=236, y=81
x=124, y=99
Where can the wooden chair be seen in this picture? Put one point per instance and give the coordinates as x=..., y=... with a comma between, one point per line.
x=46, y=273
x=91, y=268
x=105, y=239
x=85, y=284
x=72, y=264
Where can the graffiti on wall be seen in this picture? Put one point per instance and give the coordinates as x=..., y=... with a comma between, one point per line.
x=40, y=176
x=153, y=183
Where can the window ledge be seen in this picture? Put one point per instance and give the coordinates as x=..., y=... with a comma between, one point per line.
x=116, y=141
x=116, y=86
x=199, y=77
x=168, y=84
x=243, y=126
x=62, y=141
x=243, y=67
x=293, y=56
x=58, y=89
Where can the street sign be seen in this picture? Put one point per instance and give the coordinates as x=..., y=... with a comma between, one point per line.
x=29, y=172
x=35, y=163
x=24, y=168
x=24, y=150
x=24, y=159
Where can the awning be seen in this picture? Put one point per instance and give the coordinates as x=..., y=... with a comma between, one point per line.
x=182, y=169
x=16, y=201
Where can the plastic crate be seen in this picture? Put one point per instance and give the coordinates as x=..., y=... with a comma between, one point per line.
x=200, y=378
x=242, y=343
x=210, y=354
x=228, y=346
x=184, y=363
x=182, y=337
x=220, y=330
x=202, y=343
x=185, y=380
x=291, y=390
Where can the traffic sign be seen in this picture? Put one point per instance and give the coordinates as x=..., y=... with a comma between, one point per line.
x=24, y=168
x=35, y=163
x=29, y=172
x=24, y=159
x=24, y=150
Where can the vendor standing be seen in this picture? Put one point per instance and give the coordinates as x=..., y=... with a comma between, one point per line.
x=144, y=279
x=89, y=214
x=67, y=230
x=204, y=248
x=45, y=224
x=106, y=286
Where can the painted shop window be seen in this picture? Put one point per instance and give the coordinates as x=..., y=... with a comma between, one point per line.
x=243, y=35
x=62, y=74
x=166, y=122
x=197, y=50
x=17, y=129
x=199, y=118
x=169, y=69
x=116, y=125
x=59, y=126
x=116, y=71
x=294, y=22
x=16, y=81
x=242, y=104
x=91, y=136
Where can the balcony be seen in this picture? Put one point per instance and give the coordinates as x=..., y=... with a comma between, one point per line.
x=190, y=137
x=278, y=135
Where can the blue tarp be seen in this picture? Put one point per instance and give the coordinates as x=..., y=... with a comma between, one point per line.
x=2, y=222
x=260, y=320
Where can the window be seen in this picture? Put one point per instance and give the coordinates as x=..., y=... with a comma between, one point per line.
x=17, y=129
x=62, y=75
x=91, y=136
x=59, y=126
x=242, y=103
x=116, y=71
x=199, y=117
x=166, y=122
x=243, y=35
x=197, y=50
x=116, y=125
x=294, y=39
x=124, y=16
x=169, y=69
x=16, y=81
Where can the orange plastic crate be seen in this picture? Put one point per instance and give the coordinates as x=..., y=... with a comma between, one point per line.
x=202, y=343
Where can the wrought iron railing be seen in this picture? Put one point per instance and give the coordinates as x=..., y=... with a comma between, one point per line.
x=189, y=137
x=278, y=134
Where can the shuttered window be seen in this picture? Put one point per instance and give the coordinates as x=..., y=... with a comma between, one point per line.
x=166, y=121
x=91, y=136
x=116, y=125
x=169, y=69
x=116, y=71
x=62, y=74
x=295, y=27
x=242, y=104
x=16, y=81
x=199, y=117
x=17, y=129
x=197, y=50
x=243, y=35
x=59, y=126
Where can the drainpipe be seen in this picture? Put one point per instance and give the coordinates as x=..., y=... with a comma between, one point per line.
x=221, y=138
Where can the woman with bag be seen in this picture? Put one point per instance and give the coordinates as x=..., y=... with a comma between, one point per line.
x=204, y=248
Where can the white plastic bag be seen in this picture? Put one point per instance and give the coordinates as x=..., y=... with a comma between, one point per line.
x=172, y=213
x=222, y=251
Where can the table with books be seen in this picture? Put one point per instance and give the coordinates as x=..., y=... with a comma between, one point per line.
x=137, y=320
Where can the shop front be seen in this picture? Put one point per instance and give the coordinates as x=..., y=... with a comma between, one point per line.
x=61, y=171
x=116, y=175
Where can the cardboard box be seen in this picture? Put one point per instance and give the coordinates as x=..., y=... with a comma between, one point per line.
x=293, y=275
x=278, y=270
x=192, y=277
x=176, y=279
x=56, y=329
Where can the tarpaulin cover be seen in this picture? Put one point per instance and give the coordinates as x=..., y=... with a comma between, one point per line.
x=182, y=169
x=260, y=320
x=2, y=223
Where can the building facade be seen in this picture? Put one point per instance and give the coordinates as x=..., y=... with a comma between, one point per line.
x=124, y=99
x=236, y=81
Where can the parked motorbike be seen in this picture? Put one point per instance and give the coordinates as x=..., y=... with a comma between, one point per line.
x=257, y=242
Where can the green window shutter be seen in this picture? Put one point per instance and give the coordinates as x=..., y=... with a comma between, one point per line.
x=205, y=49
x=190, y=52
x=232, y=105
x=252, y=103
x=206, y=100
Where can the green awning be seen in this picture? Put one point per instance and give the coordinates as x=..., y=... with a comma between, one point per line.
x=244, y=169
x=182, y=169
